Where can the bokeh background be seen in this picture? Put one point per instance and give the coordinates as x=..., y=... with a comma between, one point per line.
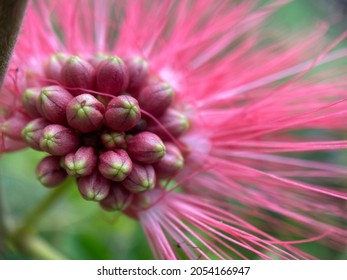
x=73, y=228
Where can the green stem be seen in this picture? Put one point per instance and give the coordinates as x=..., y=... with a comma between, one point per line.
x=42, y=207
x=36, y=248
x=25, y=241
x=11, y=16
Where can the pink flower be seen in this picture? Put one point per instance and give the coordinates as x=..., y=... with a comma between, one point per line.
x=208, y=150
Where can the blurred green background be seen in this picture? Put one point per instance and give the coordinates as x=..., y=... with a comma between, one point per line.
x=78, y=229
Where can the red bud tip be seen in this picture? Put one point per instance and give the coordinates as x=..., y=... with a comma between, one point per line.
x=171, y=163
x=118, y=199
x=30, y=100
x=58, y=140
x=115, y=165
x=49, y=172
x=113, y=140
x=138, y=74
x=78, y=74
x=52, y=103
x=146, y=147
x=13, y=126
x=174, y=121
x=97, y=59
x=122, y=113
x=94, y=187
x=85, y=113
x=9, y=144
x=54, y=66
x=112, y=76
x=81, y=163
x=141, y=178
x=156, y=98
x=33, y=131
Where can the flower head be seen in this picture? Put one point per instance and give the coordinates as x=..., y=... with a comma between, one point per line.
x=198, y=104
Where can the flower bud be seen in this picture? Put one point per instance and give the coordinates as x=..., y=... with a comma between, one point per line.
x=85, y=113
x=112, y=76
x=77, y=74
x=138, y=74
x=52, y=103
x=113, y=140
x=9, y=144
x=97, y=59
x=156, y=98
x=171, y=163
x=33, y=131
x=30, y=100
x=174, y=121
x=13, y=126
x=141, y=178
x=118, y=198
x=80, y=163
x=122, y=113
x=115, y=165
x=146, y=147
x=49, y=171
x=94, y=187
x=58, y=140
x=54, y=66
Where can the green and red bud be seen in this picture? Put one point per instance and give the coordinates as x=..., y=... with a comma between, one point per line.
x=146, y=147
x=156, y=98
x=78, y=75
x=9, y=144
x=97, y=59
x=59, y=140
x=138, y=74
x=122, y=113
x=171, y=163
x=112, y=76
x=174, y=121
x=118, y=198
x=30, y=100
x=115, y=165
x=49, y=171
x=13, y=126
x=113, y=140
x=33, y=131
x=94, y=187
x=80, y=163
x=141, y=178
x=52, y=104
x=54, y=65
x=85, y=113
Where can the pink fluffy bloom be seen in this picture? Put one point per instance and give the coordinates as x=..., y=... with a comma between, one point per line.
x=214, y=167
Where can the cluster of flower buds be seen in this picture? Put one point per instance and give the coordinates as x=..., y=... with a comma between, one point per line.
x=107, y=122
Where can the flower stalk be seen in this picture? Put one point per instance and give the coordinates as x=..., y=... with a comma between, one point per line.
x=37, y=248
x=23, y=238
x=42, y=208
